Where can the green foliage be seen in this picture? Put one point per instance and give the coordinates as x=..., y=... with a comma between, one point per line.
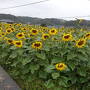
x=29, y=64
x=55, y=75
x=49, y=84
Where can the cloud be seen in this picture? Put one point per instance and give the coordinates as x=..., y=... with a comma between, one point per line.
x=51, y=9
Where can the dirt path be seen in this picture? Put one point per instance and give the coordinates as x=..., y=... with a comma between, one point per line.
x=6, y=82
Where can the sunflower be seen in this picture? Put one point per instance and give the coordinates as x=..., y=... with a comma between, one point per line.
x=80, y=43
x=67, y=37
x=44, y=29
x=37, y=45
x=20, y=35
x=9, y=41
x=87, y=36
x=34, y=31
x=19, y=24
x=30, y=35
x=18, y=43
x=9, y=25
x=8, y=30
x=0, y=29
x=45, y=36
x=23, y=29
x=61, y=66
x=2, y=34
x=13, y=29
x=53, y=31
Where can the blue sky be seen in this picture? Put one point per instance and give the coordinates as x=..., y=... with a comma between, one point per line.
x=49, y=9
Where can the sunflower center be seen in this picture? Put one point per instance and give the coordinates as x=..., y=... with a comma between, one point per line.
x=12, y=29
x=60, y=66
x=66, y=37
x=20, y=35
x=87, y=35
x=80, y=43
x=46, y=36
x=10, y=41
x=18, y=43
x=8, y=30
x=31, y=35
x=10, y=25
x=37, y=44
x=53, y=31
x=34, y=31
x=3, y=34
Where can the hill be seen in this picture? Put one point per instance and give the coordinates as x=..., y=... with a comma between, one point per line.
x=31, y=20
x=47, y=21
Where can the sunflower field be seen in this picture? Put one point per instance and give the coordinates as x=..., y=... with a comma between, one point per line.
x=42, y=58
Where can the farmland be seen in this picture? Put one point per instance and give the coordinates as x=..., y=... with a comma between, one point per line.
x=43, y=58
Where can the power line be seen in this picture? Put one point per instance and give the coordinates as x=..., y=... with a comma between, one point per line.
x=25, y=4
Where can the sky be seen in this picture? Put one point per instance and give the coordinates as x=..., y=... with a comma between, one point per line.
x=49, y=9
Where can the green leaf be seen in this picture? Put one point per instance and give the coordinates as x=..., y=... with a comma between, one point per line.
x=13, y=48
x=14, y=64
x=43, y=62
x=26, y=61
x=42, y=74
x=4, y=54
x=41, y=55
x=34, y=67
x=83, y=80
x=82, y=51
x=46, y=48
x=49, y=84
x=13, y=55
x=55, y=75
x=82, y=71
x=82, y=57
x=72, y=65
x=25, y=71
x=56, y=60
x=71, y=56
x=49, y=68
x=62, y=83
x=31, y=78
x=20, y=51
x=88, y=63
